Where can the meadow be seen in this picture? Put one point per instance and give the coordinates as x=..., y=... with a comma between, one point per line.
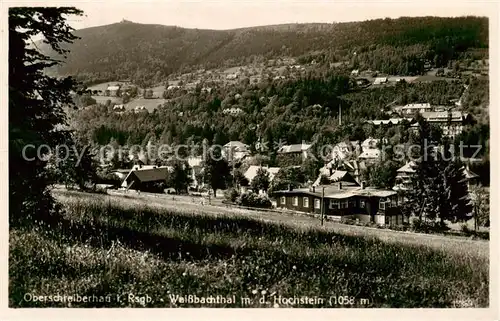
x=102, y=247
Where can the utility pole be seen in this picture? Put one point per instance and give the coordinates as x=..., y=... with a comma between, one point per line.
x=340, y=115
x=322, y=204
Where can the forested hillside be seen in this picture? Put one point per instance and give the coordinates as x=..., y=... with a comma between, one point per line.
x=146, y=54
x=290, y=111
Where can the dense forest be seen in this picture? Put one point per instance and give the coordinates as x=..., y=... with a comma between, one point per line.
x=291, y=111
x=146, y=54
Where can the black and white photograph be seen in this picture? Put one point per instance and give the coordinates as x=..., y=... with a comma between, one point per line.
x=270, y=155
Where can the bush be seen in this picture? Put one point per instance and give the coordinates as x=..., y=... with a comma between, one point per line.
x=252, y=199
x=231, y=195
x=424, y=226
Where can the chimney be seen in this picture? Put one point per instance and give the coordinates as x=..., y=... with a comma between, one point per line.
x=313, y=189
x=331, y=171
x=290, y=187
x=363, y=185
x=340, y=185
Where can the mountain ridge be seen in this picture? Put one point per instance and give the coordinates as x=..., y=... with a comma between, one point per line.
x=150, y=52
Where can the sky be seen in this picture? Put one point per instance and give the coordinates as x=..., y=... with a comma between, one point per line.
x=226, y=14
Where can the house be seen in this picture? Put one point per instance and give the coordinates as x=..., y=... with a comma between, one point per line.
x=235, y=150
x=139, y=109
x=121, y=173
x=372, y=155
x=113, y=90
x=369, y=143
x=119, y=108
x=452, y=122
x=237, y=146
x=389, y=122
x=295, y=149
x=232, y=111
x=341, y=201
x=362, y=82
x=195, y=169
x=343, y=150
x=411, y=109
x=380, y=80
x=146, y=178
x=471, y=177
x=355, y=72
x=251, y=172
x=404, y=176
x=334, y=175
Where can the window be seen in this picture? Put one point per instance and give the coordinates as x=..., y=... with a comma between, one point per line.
x=362, y=204
x=282, y=200
x=305, y=202
x=344, y=204
x=352, y=203
x=382, y=204
x=334, y=204
x=317, y=203
x=295, y=201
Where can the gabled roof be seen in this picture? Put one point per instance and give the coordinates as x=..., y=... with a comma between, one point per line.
x=443, y=115
x=334, y=191
x=236, y=144
x=380, y=80
x=392, y=121
x=252, y=172
x=150, y=174
x=469, y=174
x=407, y=168
x=417, y=106
x=335, y=176
x=373, y=153
x=294, y=148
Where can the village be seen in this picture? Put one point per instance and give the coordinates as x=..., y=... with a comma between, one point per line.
x=338, y=193
x=125, y=96
x=279, y=164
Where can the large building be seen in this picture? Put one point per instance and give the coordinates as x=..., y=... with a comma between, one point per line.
x=411, y=109
x=405, y=175
x=342, y=201
x=452, y=122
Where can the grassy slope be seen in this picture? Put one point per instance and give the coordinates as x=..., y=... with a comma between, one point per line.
x=104, y=248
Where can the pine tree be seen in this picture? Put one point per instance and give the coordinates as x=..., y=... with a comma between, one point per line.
x=216, y=169
x=439, y=186
x=179, y=178
x=36, y=103
x=261, y=181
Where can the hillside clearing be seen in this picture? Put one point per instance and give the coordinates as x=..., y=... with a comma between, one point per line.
x=111, y=250
x=190, y=205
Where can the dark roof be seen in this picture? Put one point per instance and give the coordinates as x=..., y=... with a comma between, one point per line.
x=151, y=174
x=347, y=190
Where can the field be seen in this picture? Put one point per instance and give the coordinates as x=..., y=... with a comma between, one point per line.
x=150, y=104
x=115, y=245
x=103, y=86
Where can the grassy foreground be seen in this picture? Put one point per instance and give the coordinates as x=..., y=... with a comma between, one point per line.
x=120, y=256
